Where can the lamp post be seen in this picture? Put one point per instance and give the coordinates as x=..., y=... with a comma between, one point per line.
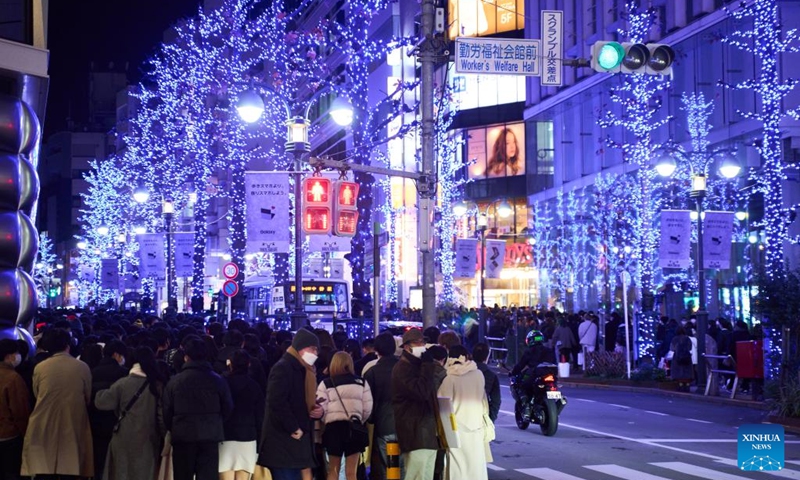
x=729, y=169
x=504, y=210
x=250, y=107
x=168, y=209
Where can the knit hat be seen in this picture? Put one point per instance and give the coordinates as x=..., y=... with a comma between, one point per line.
x=413, y=335
x=304, y=339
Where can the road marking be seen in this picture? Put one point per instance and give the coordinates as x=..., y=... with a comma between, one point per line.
x=494, y=467
x=620, y=406
x=656, y=413
x=505, y=386
x=698, y=421
x=547, y=474
x=782, y=473
x=793, y=462
x=586, y=400
x=623, y=472
x=697, y=471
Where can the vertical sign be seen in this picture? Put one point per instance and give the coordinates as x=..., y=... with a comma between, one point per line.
x=676, y=234
x=466, y=257
x=717, y=235
x=152, y=261
x=109, y=276
x=184, y=254
x=495, y=257
x=552, y=47
x=267, y=212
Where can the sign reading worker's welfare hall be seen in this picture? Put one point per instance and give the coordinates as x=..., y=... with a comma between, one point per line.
x=501, y=56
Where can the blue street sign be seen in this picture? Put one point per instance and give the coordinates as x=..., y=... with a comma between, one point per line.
x=230, y=288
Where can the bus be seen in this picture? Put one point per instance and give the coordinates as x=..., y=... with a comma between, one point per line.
x=323, y=300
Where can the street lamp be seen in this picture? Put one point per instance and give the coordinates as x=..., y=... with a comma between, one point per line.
x=168, y=210
x=504, y=210
x=102, y=230
x=728, y=168
x=250, y=106
x=141, y=194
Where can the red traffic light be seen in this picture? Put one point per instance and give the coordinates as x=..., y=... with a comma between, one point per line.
x=316, y=191
x=346, y=223
x=316, y=220
x=346, y=194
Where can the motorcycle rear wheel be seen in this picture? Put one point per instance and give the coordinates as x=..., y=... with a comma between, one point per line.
x=550, y=424
x=522, y=423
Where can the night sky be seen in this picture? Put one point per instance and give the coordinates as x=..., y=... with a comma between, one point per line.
x=102, y=31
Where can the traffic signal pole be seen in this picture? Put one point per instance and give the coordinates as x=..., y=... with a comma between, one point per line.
x=298, y=314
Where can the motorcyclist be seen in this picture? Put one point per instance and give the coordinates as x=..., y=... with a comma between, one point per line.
x=536, y=354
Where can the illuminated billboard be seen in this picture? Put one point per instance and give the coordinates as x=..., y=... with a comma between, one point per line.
x=497, y=151
x=474, y=18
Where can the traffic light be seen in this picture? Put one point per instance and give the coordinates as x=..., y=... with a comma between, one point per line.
x=345, y=212
x=615, y=57
x=316, y=205
x=53, y=293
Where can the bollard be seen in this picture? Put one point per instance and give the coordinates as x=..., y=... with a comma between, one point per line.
x=392, y=461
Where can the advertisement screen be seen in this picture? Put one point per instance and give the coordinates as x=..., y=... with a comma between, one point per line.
x=474, y=18
x=497, y=151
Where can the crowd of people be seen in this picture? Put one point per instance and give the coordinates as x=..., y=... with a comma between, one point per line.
x=116, y=395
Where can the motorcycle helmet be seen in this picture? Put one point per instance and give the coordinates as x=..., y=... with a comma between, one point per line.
x=534, y=337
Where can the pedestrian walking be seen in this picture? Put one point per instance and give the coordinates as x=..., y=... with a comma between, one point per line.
x=110, y=369
x=587, y=337
x=563, y=335
x=492, y=384
x=15, y=409
x=379, y=378
x=681, y=364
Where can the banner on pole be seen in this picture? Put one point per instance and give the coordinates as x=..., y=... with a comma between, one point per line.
x=328, y=243
x=495, y=257
x=268, y=222
x=152, y=255
x=109, y=273
x=676, y=234
x=184, y=254
x=552, y=47
x=466, y=257
x=717, y=236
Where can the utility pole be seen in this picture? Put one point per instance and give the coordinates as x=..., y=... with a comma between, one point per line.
x=425, y=185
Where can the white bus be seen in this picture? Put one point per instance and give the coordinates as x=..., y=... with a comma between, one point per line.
x=323, y=300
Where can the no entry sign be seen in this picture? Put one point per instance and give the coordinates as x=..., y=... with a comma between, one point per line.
x=230, y=288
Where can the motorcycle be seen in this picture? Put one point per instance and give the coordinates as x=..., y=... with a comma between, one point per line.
x=545, y=401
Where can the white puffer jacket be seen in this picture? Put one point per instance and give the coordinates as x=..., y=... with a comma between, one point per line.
x=355, y=394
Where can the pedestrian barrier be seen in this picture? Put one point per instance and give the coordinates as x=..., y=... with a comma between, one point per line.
x=713, y=368
x=392, y=461
x=497, y=350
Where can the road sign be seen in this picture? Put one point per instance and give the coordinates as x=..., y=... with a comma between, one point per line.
x=503, y=56
x=230, y=288
x=230, y=270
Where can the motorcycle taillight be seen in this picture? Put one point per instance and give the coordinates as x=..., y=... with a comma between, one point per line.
x=548, y=378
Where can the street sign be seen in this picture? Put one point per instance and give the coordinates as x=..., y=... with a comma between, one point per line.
x=502, y=56
x=230, y=270
x=230, y=288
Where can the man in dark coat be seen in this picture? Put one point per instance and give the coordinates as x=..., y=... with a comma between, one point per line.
x=287, y=436
x=491, y=383
x=196, y=403
x=379, y=378
x=415, y=381
x=110, y=369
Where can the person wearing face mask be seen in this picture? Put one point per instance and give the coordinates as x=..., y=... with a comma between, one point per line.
x=15, y=408
x=415, y=381
x=287, y=446
x=110, y=369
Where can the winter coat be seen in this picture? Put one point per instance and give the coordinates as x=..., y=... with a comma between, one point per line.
x=59, y=438
x=492, y=387
x=15, y=406
x=286, y=411
x=196, y=403
x=379, y=378
x=245, y=422
x=135, y=449
x=565, y=336
x=414, y=387
x=355, y=401
x=680, y=372
x=103, y=376
x=587, y=333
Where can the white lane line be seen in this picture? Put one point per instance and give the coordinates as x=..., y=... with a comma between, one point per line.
x=623, y=472
x=505, y=386
x=656, y=413
x=782, y=473
x=793, y=462
x=494, y=467
x=698, y=421
x=586, y=400
x=547, y=474
x=697, y=471
x=616, y=405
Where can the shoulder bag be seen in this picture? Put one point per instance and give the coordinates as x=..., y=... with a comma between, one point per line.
x=128, y=407
x=357, y=431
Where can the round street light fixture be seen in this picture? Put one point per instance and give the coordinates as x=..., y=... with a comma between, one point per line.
x=729, y=167
x=250, y=106
x=139, y=230
x=102, y=230
x=460, y=208
x=504, y=210
x=666, y=165
x=141, y=194
x=741, y=215
x=342, y=112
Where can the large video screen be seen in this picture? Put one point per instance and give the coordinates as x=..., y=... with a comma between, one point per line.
x=474, y=18
x=497, y=151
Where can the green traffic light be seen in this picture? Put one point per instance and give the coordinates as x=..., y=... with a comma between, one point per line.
x=610, y=55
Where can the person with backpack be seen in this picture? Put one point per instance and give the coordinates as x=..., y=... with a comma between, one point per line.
x=681, y=365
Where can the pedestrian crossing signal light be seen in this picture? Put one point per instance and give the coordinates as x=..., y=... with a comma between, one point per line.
x=53, y=293
x=615, y=57
x=345, y=209
x=316, y=205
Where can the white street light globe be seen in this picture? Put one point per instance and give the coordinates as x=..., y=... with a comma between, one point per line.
x=250, y=106
x=342, y=112
x=81, y=245
x=741, y=215
x=102, y=230
x=139, y=230
x=729, y=167
x=460, y=208
x=666, y=165
x=504, y=210
x=141, y=194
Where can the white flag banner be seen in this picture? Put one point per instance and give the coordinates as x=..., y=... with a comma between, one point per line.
x=676, y=234
x=184, y=254
x=109, y=273
x=131, y=281
x=86, y=274
x=328, y=243
x=268, y=219
x=495, y=257
x=152, y=261
x=717, y=236
x=466, y=257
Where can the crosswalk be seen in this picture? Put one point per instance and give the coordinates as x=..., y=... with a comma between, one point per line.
x=718, y=470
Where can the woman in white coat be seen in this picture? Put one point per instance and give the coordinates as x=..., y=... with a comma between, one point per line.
x=464, y=385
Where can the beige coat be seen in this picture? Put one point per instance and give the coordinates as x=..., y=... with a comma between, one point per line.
x=59, y=438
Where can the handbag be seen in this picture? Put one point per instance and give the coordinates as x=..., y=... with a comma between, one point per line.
x=127, y=408
x=358, y=431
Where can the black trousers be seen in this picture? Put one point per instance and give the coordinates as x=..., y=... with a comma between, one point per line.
x=196, y=460
x=11, y=458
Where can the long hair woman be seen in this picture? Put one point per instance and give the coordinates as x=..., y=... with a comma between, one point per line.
x=505, y=159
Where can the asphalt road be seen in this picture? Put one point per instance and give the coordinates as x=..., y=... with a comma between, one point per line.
x=606, y=434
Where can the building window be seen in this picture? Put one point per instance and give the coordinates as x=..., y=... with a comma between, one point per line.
x=475, y=18
x=475, y=91
x=591, y=17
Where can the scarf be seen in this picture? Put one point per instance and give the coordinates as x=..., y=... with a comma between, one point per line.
x=311, y=379
x=136, y=370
